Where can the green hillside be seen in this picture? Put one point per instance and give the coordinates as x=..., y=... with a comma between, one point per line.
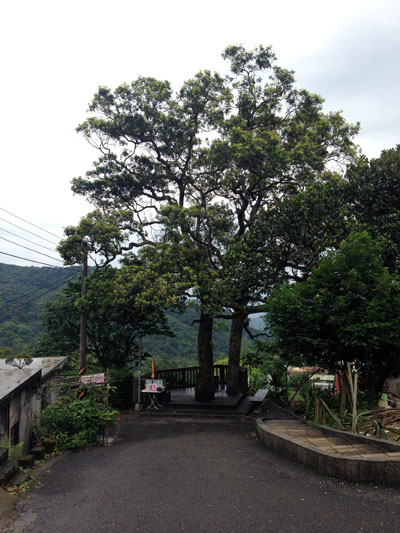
x=182, y=348
x=24, y=290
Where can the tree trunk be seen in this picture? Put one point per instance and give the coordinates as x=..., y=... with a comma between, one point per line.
x=205, y=380
x=235, y=344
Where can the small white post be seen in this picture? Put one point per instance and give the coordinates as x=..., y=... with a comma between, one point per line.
x=138, y=405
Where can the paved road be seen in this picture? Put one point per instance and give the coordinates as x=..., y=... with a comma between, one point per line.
x=198, y=476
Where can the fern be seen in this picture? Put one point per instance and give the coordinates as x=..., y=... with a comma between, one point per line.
x=14, y=452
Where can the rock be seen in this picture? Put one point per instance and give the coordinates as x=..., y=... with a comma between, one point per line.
x=19, y=478
x=7, y=471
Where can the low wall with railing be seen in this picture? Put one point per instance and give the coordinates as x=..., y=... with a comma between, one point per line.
x=178, y=378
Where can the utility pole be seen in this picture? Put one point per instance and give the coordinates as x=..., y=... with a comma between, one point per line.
x=138, y=406
x=83, y=326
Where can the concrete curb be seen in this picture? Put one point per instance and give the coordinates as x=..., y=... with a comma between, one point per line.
x=377, y=469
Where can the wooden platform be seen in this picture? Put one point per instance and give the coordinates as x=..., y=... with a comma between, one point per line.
x=183, y=402
x=187, y=397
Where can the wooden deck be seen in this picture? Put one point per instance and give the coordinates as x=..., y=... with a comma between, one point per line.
x=183, y=403
x=187, y=397
x=181, y=387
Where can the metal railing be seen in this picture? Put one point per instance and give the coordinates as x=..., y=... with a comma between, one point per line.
x=177, y=378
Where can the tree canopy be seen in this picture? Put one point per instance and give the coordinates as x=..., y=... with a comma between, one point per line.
x=374, y=196
x=348, y=310
x=199, y=168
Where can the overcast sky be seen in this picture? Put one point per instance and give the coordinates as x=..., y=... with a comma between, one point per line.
x=56, y=53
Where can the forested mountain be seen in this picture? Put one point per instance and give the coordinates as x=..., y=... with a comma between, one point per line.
x=24, y=290
x=182, y=348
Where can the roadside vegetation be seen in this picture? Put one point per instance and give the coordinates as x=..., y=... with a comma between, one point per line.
x=74, y=423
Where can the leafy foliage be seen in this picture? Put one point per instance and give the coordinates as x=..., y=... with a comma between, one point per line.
x=105, y=235
x=75, y=423
x=347, y=310
x=195, y=196
x=14, y=451
x=374, y=195
x=116, y=319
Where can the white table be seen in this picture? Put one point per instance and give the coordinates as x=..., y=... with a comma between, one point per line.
x=153, y=398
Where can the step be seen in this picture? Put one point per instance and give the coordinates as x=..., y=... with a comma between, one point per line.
x=259, y=395
x=7, y=471
x=26, y=461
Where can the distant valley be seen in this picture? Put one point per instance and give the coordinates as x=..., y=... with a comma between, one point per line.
x=25, y=290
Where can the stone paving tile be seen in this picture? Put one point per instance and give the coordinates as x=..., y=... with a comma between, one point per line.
x=373, y=456
x=351, y=454
x=328, y=449
x=342, y=450
x=350, y=451
x=285, y=423
x=346, y=447
x=336, y=445
x=366, y=449
x=338, y=441
x=310, y=443
x=297, y=430
x=320, y=440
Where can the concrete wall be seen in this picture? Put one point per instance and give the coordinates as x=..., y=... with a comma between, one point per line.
x=384, y=470
x=24, y=407
x=23, y=394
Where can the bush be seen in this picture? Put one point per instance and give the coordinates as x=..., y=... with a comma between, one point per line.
x=75, y=423
x=121, y=380
x=347, y=310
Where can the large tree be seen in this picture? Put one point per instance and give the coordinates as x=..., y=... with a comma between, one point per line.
x=278, y=141
x=197, y=168
x=348, y=310
x=288, y=239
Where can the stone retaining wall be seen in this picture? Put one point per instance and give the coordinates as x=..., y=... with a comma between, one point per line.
x=381, y=468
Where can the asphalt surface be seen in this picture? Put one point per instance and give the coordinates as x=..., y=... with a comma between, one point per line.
x=177, y=475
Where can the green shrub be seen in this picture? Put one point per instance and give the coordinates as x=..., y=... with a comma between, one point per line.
x=121, y=380
x=75, y=423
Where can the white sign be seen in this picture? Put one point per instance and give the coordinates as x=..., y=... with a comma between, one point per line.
x=93, y=378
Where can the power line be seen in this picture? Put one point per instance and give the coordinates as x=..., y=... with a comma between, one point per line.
x=44, y=294
x=31, y=260
x=27, y=240
x=31, y=232
x=51, y=290
x=39, y=289
x=30, y=223
x=31, y=249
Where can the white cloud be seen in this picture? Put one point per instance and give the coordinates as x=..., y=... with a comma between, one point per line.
x=56, y=54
